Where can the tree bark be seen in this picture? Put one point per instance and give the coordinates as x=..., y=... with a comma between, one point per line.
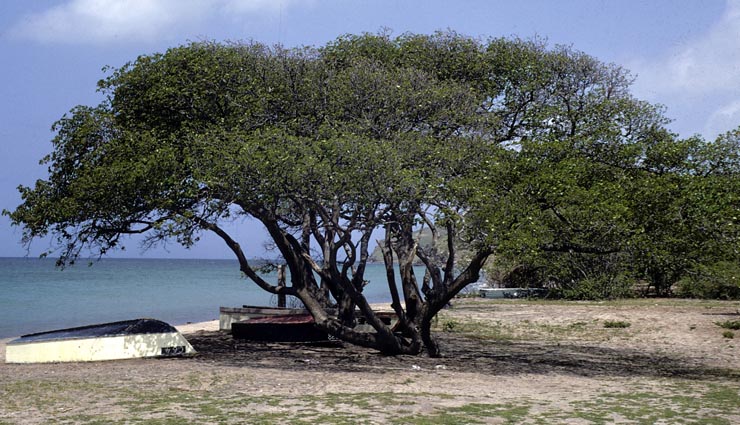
x=430, y=343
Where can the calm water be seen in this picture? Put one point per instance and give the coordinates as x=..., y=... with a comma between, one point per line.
x=35, y=296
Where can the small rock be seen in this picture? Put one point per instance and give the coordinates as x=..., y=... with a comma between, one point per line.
x=415, y=367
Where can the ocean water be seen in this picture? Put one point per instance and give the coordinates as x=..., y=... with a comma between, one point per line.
x=35, y=296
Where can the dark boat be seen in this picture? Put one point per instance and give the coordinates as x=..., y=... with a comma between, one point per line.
x=279, y=328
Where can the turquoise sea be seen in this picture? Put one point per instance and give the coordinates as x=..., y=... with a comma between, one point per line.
x=35, y=296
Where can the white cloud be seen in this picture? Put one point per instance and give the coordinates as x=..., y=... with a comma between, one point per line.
x=700, y=79
x=105, y=21
x=723, y=119
x=254, y=6
x=706, y=63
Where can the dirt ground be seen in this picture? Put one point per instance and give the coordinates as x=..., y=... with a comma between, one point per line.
x=504, y=362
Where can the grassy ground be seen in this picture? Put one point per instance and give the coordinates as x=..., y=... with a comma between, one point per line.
x=676, y=402
x=507, y=362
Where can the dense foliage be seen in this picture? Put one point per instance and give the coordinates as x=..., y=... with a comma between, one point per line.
x=539, y=158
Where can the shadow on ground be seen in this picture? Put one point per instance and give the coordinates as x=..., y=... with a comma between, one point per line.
x=459, y=354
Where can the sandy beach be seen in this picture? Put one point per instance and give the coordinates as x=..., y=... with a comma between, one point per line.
x=189, y=328
x=504, y=362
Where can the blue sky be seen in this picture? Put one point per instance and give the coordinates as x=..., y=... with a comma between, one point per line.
x=685, y=55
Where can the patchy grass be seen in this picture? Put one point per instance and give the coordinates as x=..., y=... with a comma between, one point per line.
x=472, y=413
x=730, y=324
x=616, y=324
x=477, y=329
x=622, y=302
x=525, y=330
x=613, y=386
x=678, y=402
x=675, y=401
x=46, y=396
x=330, y=409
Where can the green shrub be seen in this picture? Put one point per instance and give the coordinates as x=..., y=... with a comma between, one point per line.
x=572, y=276
x=616, y=324
x=449, y=325
x=728, y=334
x=730, y=324
x=599, y=287
x=716, y=281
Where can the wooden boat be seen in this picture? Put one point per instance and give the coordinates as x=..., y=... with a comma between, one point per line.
x=108, y=341
x=289, y=325
x=229, y=315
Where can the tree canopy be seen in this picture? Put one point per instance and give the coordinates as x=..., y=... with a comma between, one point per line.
x=533, y=155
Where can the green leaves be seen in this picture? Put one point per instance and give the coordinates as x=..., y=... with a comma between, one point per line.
x=539, y=154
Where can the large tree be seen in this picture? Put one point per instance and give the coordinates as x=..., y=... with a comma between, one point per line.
x=325, y=147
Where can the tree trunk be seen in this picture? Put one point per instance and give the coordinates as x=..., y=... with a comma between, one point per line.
x=346, y=311
x=281, y=301
x=430, y=344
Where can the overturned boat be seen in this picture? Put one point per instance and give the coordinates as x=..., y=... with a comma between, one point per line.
x=108, y=341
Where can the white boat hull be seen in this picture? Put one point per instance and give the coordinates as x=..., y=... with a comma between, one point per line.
x=97, y=348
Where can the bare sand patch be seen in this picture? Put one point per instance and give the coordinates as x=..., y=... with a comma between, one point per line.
x=209, y=326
